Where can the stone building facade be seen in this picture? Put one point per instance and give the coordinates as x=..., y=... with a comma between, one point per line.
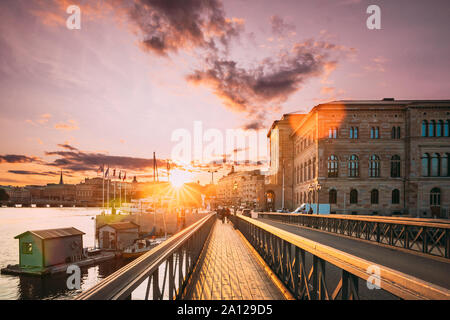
x=374, y=157
x=242, y=188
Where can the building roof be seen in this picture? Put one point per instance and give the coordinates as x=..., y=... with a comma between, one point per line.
x=122, y=225
x=53, y=233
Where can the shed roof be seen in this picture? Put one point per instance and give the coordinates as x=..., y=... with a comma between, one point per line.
x=122, y=225
x=53, y=233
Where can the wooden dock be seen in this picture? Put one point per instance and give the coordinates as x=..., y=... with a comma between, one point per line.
x=17, y=270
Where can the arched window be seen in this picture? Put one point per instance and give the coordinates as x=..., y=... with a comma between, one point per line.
x=374, y=133
x=439, y=128
x=374, y=196
x=353, y=166
x=395, y=166
x=332, y=196
x=374, y=166
x=431, y=128
x=398, y=133
x=435, y=165
x=354, y=133
x=446, y=128
x=332, y=133
x=424, y=128
x=332, y=166
x=353, y=196
x=425, y=165
x=435, y=197
x=395, y=196
x=444, y=165
x=393, y=133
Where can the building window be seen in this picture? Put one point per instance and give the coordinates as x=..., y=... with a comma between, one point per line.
x=424, y=128
x=439, y=128
x=332, y=166
x=444, y=165
x=309, y=169
x=435, y=197
x=332, y=196
x=446, y=128
x=374, y=196
x=353, y=196
x=374, y=166
x=332, y=133
x=435, y=165
x=395, y=196
x=314, y=168
x=354, y=132
x=395, y=166
x=353, y=166
x=374, y=133
x=27, y=248
x=431, y=128
x=395, y=133
x=425, y=165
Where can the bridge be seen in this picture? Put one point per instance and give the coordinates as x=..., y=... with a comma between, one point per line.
x=290, y=256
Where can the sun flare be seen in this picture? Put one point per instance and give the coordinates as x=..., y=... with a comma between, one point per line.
x=179, y=177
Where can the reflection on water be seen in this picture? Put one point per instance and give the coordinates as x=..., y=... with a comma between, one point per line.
x=54, y=287
x=14, y=221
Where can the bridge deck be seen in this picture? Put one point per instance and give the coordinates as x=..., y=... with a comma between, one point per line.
x=229, y=270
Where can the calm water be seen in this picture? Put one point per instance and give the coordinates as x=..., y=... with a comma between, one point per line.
x=14, y=221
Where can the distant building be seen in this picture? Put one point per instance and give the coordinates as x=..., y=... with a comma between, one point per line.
x=242, y=188
x=44, y=248
x=117, y=235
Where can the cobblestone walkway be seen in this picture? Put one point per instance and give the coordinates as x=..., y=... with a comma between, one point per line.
x=229, y=270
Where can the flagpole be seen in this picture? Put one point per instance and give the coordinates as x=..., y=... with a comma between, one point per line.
x=103, y=190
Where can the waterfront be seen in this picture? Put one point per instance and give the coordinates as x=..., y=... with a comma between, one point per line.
x=14, y=221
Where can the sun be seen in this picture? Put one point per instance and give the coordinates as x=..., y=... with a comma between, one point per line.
x=179, y=177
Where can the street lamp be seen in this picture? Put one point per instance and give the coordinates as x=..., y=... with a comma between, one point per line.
x=315, y=188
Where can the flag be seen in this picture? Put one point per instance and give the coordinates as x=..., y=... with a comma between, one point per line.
x=101, y=169
x=120, y=175
x=107, y=172
x=125, y=176
x=114, y=173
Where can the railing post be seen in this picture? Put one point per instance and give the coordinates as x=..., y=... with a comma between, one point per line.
x=315, y=279
x=447, y=243
x=171, y=278
x=296, y=274
x=378, y=231
x=156, y=291
x=425, y=240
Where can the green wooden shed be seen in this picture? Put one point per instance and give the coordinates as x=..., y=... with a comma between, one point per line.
x=44, y=248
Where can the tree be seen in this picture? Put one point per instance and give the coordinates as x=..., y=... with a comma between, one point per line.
x=3, y=195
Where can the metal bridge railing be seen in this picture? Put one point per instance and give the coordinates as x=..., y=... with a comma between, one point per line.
x=422, y=236
x=310, y=270
x=164, y=270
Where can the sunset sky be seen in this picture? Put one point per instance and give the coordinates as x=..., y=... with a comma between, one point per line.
x=138, y=70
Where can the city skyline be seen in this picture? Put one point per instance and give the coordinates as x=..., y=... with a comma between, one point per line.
x=77, y=99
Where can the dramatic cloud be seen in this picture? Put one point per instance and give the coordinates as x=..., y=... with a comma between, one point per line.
x=25, y=172
x=280, y=27
x=262, y=89
x=14, y=158
x=169, y=25
x=67, y=146
x=85, y=161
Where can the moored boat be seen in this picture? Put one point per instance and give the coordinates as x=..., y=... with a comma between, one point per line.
x=140, y=247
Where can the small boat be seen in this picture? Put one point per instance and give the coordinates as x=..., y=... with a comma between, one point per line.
x=33, y=205
x=140, y=247
x=4, y=206
x=47, y=205
x=18, y=206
